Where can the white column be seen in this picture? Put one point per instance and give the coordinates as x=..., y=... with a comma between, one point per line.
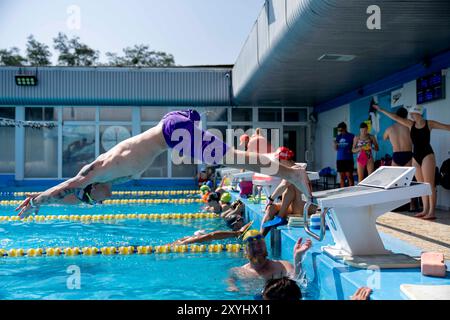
x=20, y=144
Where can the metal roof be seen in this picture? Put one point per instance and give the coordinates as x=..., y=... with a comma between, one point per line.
x=279, y=61
x=86, y=86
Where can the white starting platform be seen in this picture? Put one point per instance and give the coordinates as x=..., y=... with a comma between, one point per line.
x=351, y=215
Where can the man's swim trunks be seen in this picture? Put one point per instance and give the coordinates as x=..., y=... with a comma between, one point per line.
x=189, y=120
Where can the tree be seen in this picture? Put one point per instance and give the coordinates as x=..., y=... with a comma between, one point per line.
x=38, y=53
x=141, y=56
x=74, y=53
x=11, y=57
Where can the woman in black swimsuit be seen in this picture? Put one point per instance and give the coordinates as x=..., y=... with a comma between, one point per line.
x=423, y=156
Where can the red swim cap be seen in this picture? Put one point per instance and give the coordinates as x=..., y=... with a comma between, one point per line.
x=243, y=139
x=284, y=153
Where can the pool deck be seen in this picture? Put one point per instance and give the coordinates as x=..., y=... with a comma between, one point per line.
x=426, y=235
x=400, y=233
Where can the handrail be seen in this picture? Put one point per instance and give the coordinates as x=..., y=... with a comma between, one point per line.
x=320, y=236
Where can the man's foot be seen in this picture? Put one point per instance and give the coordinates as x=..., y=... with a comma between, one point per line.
x=429, y=217
x=362, y=293
x=420, y=215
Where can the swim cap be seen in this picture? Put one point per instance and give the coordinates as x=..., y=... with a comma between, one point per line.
x=416, y=109
x=250, y=233
x=284, y=153
x=243, y=139
x=226, y=197
x=204, y=189
x=209, y=183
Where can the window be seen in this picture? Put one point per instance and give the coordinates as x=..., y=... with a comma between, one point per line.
x=153, y=113
x=78, y=148
x=41, y=146
x=8, y=113
x=7, y=154
x=295, y=115
x=115, y=114
x=242, y=114
x=7, y=138
x=269, y=114
x=112, y=135
x=215, y=114
x=41, y=114
x=78, y=114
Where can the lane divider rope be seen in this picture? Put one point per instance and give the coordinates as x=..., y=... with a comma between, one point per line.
x=109, y=217
x=124, y=192
x=122, y=250
x=121, y=201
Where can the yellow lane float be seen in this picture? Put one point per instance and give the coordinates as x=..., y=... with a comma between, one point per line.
x=103, y=217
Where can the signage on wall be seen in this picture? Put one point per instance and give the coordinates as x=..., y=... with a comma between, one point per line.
x=430, y=88
x=397, y=98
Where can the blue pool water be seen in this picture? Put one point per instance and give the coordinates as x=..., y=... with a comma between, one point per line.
x=153, y=276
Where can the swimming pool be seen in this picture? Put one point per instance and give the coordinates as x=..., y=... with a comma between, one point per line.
x=151, y=276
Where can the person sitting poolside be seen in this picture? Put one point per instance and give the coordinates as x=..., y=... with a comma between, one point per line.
x=291, y=198
x=130, y=158
x=261, y=269
x=201, y=236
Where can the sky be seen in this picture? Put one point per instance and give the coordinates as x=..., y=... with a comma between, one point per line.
x=196, y=32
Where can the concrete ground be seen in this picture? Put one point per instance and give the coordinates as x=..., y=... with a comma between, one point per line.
x=426, y=235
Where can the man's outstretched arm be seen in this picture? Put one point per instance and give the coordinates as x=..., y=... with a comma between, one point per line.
x=57, y=193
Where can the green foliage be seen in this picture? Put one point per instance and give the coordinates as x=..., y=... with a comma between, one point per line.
x=38, y=53
x=74, y=53
x=141, y=56
x=11, y=57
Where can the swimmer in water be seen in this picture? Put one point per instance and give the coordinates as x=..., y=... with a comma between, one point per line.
x=130, y=158
x=201, y=236
x=261, y=269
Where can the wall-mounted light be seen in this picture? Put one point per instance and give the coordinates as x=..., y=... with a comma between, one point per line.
x=26, y=80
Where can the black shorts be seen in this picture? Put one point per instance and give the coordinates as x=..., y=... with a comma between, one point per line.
x=345, y=165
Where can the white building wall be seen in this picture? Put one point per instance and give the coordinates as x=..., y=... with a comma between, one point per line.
x=325, y=153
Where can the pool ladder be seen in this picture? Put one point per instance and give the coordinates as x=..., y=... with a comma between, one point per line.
x=323, y=226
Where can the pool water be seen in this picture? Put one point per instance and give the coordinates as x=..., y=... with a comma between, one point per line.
x=153, y=276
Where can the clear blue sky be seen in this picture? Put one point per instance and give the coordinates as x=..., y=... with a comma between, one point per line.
x=194, y=31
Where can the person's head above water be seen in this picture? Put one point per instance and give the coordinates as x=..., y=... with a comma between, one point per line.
x=95, y=193
x=234, y=221
x=255, y=246
x=281, y=289
x=402, y=113
x=213, y=197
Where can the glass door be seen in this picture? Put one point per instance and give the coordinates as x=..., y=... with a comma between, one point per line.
x=296, y=138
